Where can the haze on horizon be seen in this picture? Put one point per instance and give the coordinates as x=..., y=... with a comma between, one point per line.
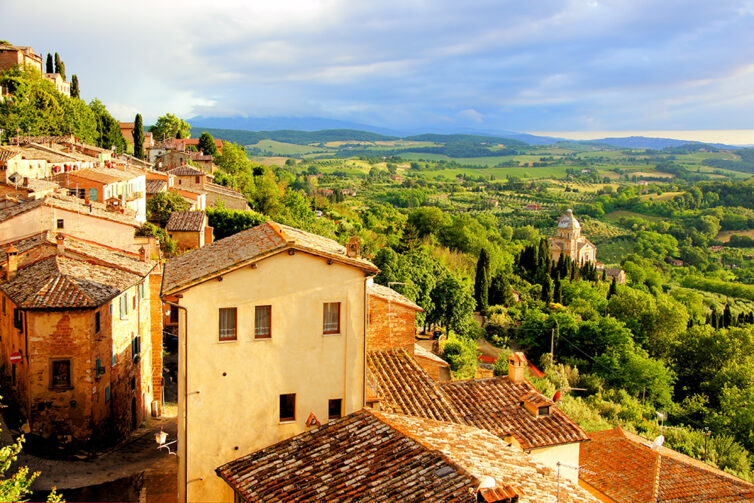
x=484, y=65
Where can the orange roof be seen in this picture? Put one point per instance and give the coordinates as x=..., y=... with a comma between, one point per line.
x=624, y=467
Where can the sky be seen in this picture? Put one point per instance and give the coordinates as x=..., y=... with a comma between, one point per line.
x=420, y=65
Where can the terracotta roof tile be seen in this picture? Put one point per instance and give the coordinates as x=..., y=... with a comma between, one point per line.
x=358, y=457
x=485, y=455
x=186, y=221
x=403, y=387
x=155, y=186
x=246, y=246
x=624, y=467
x=188, y=171
x=391, y=295
x=69, y=203
x=420, y=352
x=61, y=282
x=495, y=405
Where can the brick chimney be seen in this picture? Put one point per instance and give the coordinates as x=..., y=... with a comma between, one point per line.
x=12, y=265
x=517, y=364
x=60, y=240
x=142, y=254
x=353, y=247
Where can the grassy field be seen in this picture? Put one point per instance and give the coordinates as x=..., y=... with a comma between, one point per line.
x=724, y=236
x=281, y=148
x=665, y=196
x=615, y=216
x=500, y=173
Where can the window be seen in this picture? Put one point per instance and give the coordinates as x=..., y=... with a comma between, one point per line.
x=60, y=374
x=262, y=322
x=61, y=223
x=97, y=322
x=136, y=348
x=331, y=323
x=107, y=394
x=18, y=319
x=228, y=323
x=174, y=315
x=123, y=305
x=92, y=194
x=3, y=305
x=288, y=407
x=134, y=301
x=196, y=179
x=335, y=408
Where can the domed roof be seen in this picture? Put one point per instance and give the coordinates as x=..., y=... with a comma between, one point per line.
x=568, y=221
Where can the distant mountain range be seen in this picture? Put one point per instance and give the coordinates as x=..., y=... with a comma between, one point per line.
x=250, y=130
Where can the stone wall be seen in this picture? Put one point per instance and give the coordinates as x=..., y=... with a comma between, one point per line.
x=390, y=326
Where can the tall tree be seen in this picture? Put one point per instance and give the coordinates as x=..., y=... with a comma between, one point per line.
x=547, y=289
x=138, y=134
x=207, y=144
x=170, y=126
x=75, y=86
x=482, y=281
x=49, y=67
x=59, y=66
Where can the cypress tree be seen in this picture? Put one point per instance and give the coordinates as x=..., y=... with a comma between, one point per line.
x=74, y=86
x=138, y=134
x=482, y=281
x=556, y=296
x=727, y=316
x=547, y=290
x=59, y=66
x=49, y=68
x=613, y=289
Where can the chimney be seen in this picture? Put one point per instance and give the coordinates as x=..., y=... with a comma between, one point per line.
x=60, y=240
x=12, y=253
x=516, y=366
x=353, y=247
x=142, y=254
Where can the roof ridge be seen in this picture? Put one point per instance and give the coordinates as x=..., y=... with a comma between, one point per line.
x=279, y=231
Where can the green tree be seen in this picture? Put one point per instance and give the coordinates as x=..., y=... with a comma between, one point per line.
x=461, y=354
x=108, y=129
x=170, y=126
x=49, y=68
x=227, y=222
x=453, y=304
x=164, y=204
x=547, y=289
x=75, y=91
x=207, y=144
x=482, y=281
x=138, y=135
x=59, y=66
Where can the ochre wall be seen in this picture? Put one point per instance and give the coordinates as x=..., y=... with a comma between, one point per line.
x=564, y=453
x=247, y=376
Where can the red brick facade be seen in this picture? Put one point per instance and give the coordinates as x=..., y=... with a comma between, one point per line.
x=390, y=325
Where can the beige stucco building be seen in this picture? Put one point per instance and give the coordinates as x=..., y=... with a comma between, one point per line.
x=569, y=242
x=276, y=322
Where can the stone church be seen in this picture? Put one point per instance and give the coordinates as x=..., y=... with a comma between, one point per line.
x=568, y=241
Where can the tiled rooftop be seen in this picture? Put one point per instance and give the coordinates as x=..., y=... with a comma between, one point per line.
x=483, y=454
x=188, y=171
x=624, y=467
x=404, y=388
x=155, y=186
x=246, y=246
x=359, y=457
x=70, y=204
x=223, y=191
x=61, y=282
x=186, y=221
x=495, y=405
x=420, y=352
x=391, y=295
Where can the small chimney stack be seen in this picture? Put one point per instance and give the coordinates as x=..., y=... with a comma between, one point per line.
x=353, y=247
x=60, y=240
x=142, y=254
x=516, y=366
x=12, y=265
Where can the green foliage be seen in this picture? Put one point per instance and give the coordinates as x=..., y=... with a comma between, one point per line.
x=49, y=67
x=719, y=286
x=500, y=368
x=163, y=204
x=138, y=136
x=170, y=126
x=207, y=144
x=228, y=222
x=59, y=66
x=461, y=354
x=168, y=246
x=75, y=91
x=453, y=304
x=108, y=129
x=482, y=281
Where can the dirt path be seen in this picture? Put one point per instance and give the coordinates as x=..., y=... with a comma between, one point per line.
x=487, y=349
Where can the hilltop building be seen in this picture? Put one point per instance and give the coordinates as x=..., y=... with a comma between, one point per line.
x=189, y=229
x=77, y=338
x=11, y=55
x=569, y=242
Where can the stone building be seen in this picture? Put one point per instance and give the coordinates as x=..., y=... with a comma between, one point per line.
x=189, y=229
x=569, y=242
x=76, y=338
x=392, y=319
x=194, y=179
x=11, y=55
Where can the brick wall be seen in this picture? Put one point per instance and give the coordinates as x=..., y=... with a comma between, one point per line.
x=390, y=326
x=155, y=307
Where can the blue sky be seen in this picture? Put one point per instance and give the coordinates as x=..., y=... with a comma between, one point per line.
x=493, y=65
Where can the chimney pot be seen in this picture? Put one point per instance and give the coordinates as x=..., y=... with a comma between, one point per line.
x=60, y=240
x=516, y=366
x=12, y=265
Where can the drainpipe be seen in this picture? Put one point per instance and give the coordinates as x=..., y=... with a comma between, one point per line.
x=366, y=314
x=185, y=396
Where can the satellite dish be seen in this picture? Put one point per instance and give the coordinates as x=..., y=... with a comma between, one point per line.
x=658, y=443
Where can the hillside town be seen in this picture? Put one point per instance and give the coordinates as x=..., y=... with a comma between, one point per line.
x=272, y=363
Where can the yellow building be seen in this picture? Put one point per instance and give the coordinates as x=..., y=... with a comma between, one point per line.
x=569, y=242
x=276, y=329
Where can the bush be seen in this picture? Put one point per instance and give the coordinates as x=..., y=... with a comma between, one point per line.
x=461, y=354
